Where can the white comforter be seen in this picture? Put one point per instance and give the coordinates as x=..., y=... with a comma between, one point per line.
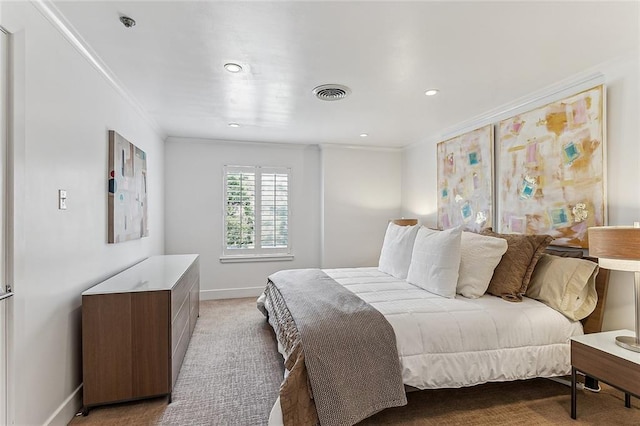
x=448, y=343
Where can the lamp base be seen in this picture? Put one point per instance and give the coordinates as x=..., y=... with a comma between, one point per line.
x=628, y=342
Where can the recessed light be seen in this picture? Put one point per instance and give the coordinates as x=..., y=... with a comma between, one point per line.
x=234, y=125
x=431, y=92
x=364, y=135
x=231, y=67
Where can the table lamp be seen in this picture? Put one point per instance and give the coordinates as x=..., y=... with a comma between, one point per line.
x=618, y=248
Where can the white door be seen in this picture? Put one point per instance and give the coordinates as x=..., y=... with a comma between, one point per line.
x=5, y=301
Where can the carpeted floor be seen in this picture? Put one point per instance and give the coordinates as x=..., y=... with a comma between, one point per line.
x=232, y=372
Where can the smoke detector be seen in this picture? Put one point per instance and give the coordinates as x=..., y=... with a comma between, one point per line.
x=127, y=21
x=331, y=92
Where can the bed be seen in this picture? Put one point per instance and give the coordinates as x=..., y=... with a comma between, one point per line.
x=440, y=342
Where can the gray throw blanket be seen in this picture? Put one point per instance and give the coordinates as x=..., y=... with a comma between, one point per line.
x=349, y=347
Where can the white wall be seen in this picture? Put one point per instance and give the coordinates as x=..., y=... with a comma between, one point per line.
x=623, y=151
x=623, y=175
x=361, y=193
x=419, y=178
x=342, y=199
x=194, y=196
x=63, y=109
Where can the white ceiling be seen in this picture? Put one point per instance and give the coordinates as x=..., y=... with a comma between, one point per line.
x=479, y=54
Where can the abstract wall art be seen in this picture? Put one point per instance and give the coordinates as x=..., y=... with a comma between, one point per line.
x=127, y=190
x=465, y=170
x=551, y=169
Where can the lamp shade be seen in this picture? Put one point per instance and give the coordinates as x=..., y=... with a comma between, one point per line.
x=616, y=247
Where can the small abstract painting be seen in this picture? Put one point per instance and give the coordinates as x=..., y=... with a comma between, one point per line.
x=127, y=190
x=552, y=169
x=465, y=171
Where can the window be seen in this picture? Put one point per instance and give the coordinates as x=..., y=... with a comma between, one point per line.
x=256, y=215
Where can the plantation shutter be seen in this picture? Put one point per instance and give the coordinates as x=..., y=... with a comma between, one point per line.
x=275, y=210
x=256, y=217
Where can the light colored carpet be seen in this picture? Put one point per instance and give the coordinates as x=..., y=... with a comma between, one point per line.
x=232, y=372
x=230, y=375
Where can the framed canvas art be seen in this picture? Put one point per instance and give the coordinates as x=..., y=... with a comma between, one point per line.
x=127, y=190
x=551, y=169
x=465, y=180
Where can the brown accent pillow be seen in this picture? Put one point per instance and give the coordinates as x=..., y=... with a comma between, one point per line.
x=511, y=277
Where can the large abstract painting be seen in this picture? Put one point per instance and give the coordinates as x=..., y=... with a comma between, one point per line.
x=127, y=190
x=552, y=169
x=465, y=169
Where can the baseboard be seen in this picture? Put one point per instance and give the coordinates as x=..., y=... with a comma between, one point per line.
x=230, y=293
x=67, y=410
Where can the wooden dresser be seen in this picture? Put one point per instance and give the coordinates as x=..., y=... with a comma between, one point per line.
x=136, y=328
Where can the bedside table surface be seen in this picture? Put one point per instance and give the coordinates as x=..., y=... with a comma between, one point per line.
x=606, y=342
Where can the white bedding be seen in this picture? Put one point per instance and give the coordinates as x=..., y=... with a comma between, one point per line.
x=450, y=343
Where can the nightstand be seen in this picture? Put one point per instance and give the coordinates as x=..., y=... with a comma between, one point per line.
x=598, y=356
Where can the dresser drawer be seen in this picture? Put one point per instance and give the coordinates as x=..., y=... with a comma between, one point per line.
x=194, y=304
x=179, y=294
x=179, y=323
x=179, y=352
x=180, y=291
x=193, y=317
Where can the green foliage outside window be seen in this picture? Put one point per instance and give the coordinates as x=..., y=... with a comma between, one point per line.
x=257, y=210
x=240, y=210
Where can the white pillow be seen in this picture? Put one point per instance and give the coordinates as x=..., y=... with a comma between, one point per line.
x=435, y=261
x=395, y=256
x=479, y=256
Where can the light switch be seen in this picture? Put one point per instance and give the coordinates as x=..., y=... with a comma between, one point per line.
x=62, y=199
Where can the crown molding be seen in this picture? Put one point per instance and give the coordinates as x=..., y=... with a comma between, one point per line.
x=326, y=146
x=531, y=101
x=48, y=9
x=240, y=142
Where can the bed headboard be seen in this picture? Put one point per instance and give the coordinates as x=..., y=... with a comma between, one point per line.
x=593, y=323
x=405, y=222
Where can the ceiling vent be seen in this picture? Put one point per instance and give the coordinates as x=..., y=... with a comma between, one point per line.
x=331, y=92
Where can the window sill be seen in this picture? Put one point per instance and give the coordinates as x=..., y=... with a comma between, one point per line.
x=256, y=258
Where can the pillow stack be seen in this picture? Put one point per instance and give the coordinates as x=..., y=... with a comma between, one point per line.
x=442, y=262
x=425, y=257
x=510, y=266
x=455, y=262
